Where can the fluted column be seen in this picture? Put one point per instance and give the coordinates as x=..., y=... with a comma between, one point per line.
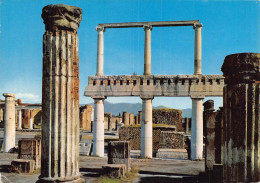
x=147, y=50
x=197, y=129
x=197, y=49
x=9, y=122
x=100, y=51
x=19, y=120
x=147, y=128
x=60, y=95
x=98, y=128
x=241, y=123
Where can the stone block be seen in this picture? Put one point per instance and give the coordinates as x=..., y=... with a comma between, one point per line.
x=30, y=149
x=172, y=153
x=85, y=148
x=119, y=153
x=114, y=170
x=23, y=165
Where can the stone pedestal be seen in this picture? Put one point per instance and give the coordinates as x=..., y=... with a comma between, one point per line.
x=119, y=153
x=241, y=124
x=147, y=128
x=9, y=122
x=98, y=129
x=23, y=165
x=60, y=97
x=197, y=129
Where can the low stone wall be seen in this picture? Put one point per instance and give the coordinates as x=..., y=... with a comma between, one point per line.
x=163, y=137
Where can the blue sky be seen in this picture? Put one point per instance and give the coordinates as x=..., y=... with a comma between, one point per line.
x=228, y=27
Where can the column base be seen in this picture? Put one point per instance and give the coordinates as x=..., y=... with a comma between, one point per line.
x=79, y=180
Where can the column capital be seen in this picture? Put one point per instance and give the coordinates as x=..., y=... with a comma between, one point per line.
x=241, y=67
x=9, y=95
x=99, y=28
x=196, y=26
x=147, y=27
x=147, y=97
x=61, y=17
x=98, y=97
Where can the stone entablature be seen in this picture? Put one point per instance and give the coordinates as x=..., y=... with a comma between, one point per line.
x=156, y=85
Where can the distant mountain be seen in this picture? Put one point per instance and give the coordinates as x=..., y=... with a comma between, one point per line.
x=116, y=108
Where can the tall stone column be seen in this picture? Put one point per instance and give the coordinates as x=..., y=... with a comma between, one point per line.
x=197, y=129
x=147, y=50
x=31, y=120
x=0, y=113
x=19, y=120
x=100, y=51
x=98, y=128
x=9, y=122
x=60, y=95
x=197, y=49
x=241, y=125
x=139, y=117
x=147, y=128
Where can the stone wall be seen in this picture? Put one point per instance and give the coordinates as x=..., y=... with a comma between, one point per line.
x=85, y=116
x=172, y=140
x=169, y=117
x=36, y=115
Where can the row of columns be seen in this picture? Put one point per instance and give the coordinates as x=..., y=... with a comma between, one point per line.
x=147, y=50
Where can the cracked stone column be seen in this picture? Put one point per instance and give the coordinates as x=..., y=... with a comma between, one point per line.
x=241, y=127
x=98, y=128
x=147, y=50
x=9, y=122
x=31, y=120
x=197, y=49
x=147, y=127
x=19, y=119
x=100, y=51
x=197, y=129
x=60, y=95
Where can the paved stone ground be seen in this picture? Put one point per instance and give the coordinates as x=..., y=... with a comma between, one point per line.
x=150, y=170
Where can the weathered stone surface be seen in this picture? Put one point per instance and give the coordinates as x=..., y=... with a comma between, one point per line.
x=133, y=135
x=114, y=170
x=172, y=153
x=241, y=118
x=86, y=117
x=209, y=105
x=169, y=117
x=85, y=149
x=30, y=149
x=119, y=153
x=241, y=63
x=23, y=165
x=60, y=95
x=171, y=140
x=159, y=85
x=61, y=17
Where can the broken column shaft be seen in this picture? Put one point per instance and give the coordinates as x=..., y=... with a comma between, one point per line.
x=60, y=95
x=241, y=123
x=9, y=122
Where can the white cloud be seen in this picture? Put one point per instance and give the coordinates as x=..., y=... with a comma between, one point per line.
x=28, y=97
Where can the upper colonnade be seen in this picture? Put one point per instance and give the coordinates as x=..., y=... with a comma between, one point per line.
x=194, y=85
